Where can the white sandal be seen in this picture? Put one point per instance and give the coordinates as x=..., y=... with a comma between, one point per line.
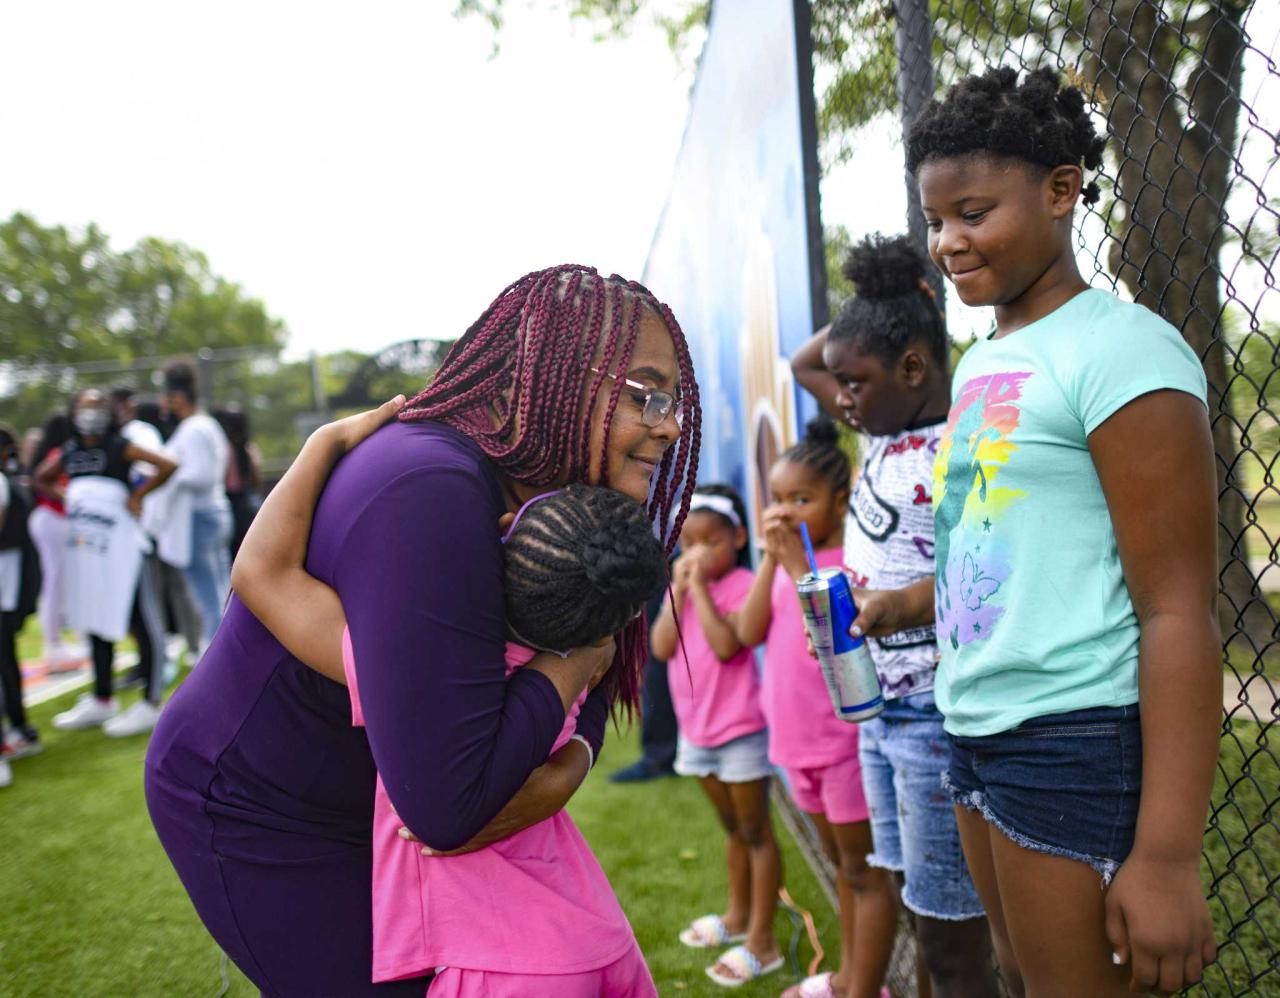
x=743, y=965
x=709, y=932
x=817, y=986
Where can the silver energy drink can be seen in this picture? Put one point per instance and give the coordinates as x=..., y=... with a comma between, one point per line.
x=846, y=663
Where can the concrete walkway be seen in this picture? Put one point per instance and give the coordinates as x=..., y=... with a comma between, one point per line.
x=1256, y=699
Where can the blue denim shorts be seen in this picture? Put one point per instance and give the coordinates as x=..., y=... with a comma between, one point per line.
x=743, y=760
x=1062, y=784
x=904, y=755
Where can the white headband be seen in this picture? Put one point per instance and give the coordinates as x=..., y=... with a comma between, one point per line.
x=716, y=504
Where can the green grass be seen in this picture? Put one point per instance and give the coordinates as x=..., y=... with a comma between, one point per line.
x=663, y=849
x=1242, y=863
x=91, y=903
x=92, y=906
x=31, y=641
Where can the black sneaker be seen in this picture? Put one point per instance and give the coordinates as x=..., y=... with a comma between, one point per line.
x=640, y=771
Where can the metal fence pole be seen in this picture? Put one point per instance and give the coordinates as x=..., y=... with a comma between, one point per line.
x=913, y=43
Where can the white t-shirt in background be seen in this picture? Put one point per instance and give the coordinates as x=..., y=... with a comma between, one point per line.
x=201, y=450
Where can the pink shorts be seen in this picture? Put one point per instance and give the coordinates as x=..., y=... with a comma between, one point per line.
x=835, y=791
x=627, y=977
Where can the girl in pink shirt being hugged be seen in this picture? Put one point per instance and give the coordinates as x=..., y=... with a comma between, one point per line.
x=810, y=484
x=715, y=689
x=532, y=914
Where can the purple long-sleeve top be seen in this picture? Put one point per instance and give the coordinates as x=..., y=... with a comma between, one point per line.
x=255, y=753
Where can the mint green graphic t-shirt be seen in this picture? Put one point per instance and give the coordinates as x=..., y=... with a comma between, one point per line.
x=1033, y=615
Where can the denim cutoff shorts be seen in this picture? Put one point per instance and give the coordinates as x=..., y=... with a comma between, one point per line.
x=904, y=754
x=744, y=759
x=1063, y=784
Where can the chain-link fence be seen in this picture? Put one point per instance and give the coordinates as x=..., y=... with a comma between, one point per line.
x=1189, y=225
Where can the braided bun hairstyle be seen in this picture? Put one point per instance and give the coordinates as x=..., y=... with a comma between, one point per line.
x=820, y=451
x=519, y=383
x=580, y=566
x=893, y=307
x=1039, y=121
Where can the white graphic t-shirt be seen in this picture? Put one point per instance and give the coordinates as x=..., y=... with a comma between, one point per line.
x=888, y=544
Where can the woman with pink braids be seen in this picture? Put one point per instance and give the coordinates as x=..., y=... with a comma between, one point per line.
x=259, y=787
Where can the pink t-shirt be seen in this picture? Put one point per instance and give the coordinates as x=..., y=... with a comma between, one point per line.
x=534, y=903
x=715, y=701
x=804, y=732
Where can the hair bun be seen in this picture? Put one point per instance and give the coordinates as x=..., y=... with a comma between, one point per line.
x=821, y=430
x=884, y=266
x=623, y=559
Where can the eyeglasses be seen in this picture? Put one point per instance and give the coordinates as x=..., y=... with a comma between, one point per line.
x=656, y=405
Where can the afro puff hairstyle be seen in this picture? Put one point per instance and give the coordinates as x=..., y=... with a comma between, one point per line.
x=1039, y=121
x=893, y=307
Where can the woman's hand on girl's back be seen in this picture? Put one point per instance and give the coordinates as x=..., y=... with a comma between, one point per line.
x=573, y=673
x=602, y=670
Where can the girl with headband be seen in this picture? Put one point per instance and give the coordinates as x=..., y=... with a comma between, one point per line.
x=715, y=689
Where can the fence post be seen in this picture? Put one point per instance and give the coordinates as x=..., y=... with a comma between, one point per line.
x=913, y=43
x=809, y=157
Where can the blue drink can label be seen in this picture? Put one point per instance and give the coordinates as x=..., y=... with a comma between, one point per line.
x=846, y=663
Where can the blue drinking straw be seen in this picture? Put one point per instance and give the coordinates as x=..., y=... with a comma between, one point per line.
x=808, y=549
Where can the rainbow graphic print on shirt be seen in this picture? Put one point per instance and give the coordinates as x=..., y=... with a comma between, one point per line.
x=969, y=501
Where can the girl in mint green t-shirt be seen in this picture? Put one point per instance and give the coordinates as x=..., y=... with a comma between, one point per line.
x=1074, y=505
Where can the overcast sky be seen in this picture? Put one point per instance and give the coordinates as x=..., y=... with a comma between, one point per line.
x=366, y=169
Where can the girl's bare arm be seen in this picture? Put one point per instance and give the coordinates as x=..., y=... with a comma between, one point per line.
x=269, y=576
x=751, y=622
x=813, y=376
x=1161, y=494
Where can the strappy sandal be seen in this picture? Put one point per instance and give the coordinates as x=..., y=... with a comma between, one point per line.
x=709, y=932
x=743, y=966
x=817, y=986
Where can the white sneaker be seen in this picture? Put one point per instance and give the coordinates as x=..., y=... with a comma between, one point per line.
x=18, y=746
x=6, y=773
x=174, y=646
x=139, y=718
x=76, y=651
x=63, y=659
x=89, y=712
x=170, y=674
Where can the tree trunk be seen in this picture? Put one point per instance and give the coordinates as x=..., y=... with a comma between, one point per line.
x=1167, y=228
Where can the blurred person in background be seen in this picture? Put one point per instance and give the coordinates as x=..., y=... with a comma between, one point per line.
x=19, y=587
x=150, y=411
x=181, y=615
x=137, y=431
x=108, y=594
x=201, y=450
x=28, y=447
x=244, y=474
x=48, y=529
x=155, y=511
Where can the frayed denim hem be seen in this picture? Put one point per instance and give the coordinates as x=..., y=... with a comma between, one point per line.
x=875, y=861
x=975, y=800
x=880, y=864
x=915, y=909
